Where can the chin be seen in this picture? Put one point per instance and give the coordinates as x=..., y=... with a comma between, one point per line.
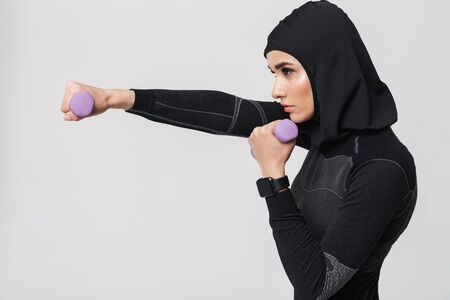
x=296, y=118
x=299, y=118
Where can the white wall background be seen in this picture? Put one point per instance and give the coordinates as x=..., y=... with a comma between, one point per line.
x=119, y=207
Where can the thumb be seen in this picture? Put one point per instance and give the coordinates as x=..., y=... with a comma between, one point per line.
x=70, y=116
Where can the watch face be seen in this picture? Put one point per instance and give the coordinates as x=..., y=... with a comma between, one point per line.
x=264, y=187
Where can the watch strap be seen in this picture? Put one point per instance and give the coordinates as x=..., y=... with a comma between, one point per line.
x=269, y=186
x=280, y=183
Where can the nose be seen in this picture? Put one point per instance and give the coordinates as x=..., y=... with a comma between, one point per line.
x=278, y=90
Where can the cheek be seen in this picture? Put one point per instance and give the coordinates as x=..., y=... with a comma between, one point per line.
x=305, y=98
x=303, y=93
x=305, y=86
x=307, y=94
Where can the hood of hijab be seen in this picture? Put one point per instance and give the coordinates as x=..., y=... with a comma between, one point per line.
x=348, y=93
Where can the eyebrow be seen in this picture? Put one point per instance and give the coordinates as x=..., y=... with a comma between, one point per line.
x=281, y=64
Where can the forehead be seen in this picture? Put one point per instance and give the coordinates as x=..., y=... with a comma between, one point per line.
x=275, y=54
x=275, y=57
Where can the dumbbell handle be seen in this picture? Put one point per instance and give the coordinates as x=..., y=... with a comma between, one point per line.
x=81, y=104
x=285, y=131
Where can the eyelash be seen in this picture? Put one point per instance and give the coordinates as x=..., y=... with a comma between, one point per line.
x=285, y=70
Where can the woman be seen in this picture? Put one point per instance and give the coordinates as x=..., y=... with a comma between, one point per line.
x=356, y=190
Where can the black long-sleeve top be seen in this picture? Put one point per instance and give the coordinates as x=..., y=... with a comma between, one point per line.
x=349, y=203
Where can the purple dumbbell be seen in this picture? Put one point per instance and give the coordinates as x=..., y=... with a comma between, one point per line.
x=285, y=131
x=81, y=104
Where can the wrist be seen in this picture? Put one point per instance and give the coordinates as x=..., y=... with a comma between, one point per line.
x=121, y=99
x=275, y=172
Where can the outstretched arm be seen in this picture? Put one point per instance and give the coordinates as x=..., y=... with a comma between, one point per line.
x=209, y=111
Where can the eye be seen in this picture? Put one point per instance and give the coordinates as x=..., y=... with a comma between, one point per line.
x=286, y=71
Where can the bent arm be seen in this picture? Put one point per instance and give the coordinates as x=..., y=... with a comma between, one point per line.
x=318, y=269
x=209, y=111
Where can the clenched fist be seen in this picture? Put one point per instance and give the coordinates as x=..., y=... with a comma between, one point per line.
x=100, y=99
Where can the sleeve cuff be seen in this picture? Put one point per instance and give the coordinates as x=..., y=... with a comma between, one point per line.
x=143, y=101
x=282, y=204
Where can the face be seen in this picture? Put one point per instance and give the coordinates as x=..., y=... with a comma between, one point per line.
x=291, y=85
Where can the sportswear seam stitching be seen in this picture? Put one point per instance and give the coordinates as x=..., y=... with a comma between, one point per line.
x=237, y=107
x=193, y=110
x=178, y=122
x=261, y=111
x=390, y=160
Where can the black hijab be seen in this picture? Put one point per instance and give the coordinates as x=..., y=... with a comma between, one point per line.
x=348, y=94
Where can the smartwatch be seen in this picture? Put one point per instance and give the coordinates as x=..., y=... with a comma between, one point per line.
x=268, y=186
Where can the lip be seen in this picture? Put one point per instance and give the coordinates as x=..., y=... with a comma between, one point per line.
x=285, y=105
x=288, y=108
